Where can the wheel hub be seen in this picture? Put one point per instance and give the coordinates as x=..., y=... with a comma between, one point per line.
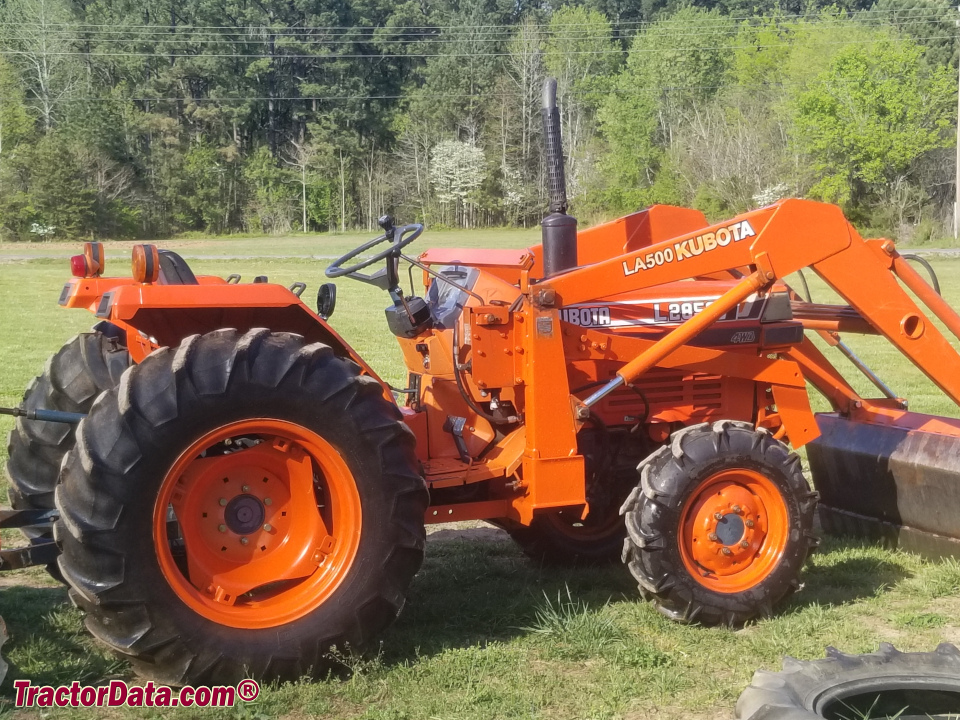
x=729, y=528
x=269, y=531
x=244, y=514
x=733, y=529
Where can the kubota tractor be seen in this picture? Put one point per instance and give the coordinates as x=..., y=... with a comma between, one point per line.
x=244, y=493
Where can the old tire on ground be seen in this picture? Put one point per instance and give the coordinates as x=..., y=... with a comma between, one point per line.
x=241, y=506
x=887, y=683
x=720, y=524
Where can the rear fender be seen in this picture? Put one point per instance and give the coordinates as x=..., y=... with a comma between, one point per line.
x=163, y=315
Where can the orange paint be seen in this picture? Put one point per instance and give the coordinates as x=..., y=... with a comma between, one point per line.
x=295, y=557
x=733, y=530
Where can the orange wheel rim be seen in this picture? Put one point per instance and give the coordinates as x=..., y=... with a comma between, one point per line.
x=733, y=530
x=257, y=523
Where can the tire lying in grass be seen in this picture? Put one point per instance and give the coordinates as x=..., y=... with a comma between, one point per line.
x=720, y=524
x=239, y=507
x=72, y=379
x=884, y=684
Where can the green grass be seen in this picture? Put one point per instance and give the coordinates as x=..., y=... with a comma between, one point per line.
x=486, y=633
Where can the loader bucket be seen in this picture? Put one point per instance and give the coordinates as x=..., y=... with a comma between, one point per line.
x=896, y=484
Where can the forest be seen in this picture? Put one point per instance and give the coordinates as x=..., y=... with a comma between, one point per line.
x=151, y=118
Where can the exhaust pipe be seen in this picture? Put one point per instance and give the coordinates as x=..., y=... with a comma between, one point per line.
x=559, y=229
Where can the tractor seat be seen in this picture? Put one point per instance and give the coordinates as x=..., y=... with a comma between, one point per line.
x=174, y=270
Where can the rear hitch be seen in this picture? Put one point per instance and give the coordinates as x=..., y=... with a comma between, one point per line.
x=41, y=551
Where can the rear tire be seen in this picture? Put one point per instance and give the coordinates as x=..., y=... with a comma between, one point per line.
x=140, y=516
x=698, y=567
x=562, y=538
x=72, y=379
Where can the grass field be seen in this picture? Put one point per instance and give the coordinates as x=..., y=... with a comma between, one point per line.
x=486, y=633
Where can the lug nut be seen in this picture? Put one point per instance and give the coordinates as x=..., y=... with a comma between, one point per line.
x=243, y=541
x=744, y=544
x=223, y=501
x=268, y=501
x=749, y=523
x=245, y=488
x=718, y=516
x=737, y=509
x=268, y=527
x=712, y=537
x=222, y=528
x=727, y=551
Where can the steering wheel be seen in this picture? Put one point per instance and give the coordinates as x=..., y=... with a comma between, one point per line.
x=398, y=237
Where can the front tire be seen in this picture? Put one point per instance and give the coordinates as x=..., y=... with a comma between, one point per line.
x=720, y=524
x=241, y=506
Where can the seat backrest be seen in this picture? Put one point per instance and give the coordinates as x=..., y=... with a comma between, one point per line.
x=174, y=270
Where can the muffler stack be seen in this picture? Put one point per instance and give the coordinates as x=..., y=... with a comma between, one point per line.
x=559, y=229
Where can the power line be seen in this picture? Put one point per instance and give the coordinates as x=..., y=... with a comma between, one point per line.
x=186, y=38
x=401, y=56
x=638, y=90
x=907, y=13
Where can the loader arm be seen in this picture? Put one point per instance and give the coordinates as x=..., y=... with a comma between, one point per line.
x=776, y=241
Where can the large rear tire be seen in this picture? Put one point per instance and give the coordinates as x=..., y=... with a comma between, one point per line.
x=720, y=525
x=241, y=506
x=72, y=379
x=564, y=538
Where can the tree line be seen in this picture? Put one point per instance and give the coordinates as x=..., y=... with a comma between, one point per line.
x=147, y=119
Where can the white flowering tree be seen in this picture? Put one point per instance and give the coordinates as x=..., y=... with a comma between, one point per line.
x=457, y=170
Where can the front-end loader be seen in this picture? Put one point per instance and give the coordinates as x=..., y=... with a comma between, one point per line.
x=245, y=496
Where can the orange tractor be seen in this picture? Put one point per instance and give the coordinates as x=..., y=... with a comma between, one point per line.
x=244, y=493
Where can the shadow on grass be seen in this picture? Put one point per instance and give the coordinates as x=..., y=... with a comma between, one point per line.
x=474, y=588
x=474, y=591
x=48, y=644
x=846, y=570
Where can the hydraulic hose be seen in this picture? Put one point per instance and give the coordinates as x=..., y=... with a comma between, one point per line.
x=934, y=282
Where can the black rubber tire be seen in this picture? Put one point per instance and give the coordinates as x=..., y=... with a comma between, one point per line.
x=544, y=543
x=922, y=685
x=134, y=434
x=654, y=508
x=72, y=379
